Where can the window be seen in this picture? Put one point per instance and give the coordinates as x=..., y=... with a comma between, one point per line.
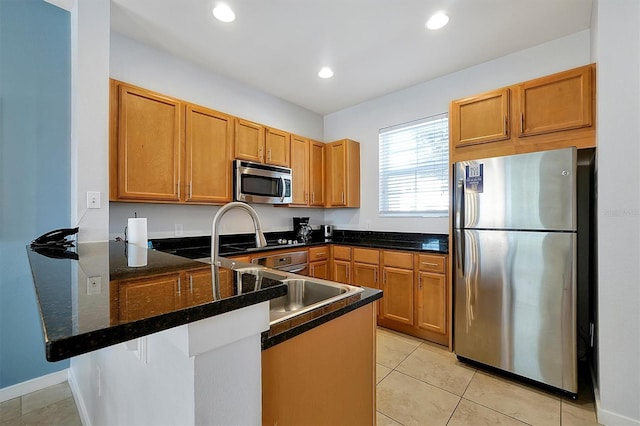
x=414, y=168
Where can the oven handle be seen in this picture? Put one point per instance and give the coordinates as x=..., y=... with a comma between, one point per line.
x=293, y=271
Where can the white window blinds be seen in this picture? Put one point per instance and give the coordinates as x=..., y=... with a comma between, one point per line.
x=414, y=168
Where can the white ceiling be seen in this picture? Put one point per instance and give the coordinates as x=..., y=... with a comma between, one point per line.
x=375, y=47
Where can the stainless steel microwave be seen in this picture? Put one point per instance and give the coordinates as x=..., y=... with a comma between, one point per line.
x=261, y=183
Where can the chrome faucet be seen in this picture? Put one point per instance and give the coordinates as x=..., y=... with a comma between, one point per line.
x=215, y=243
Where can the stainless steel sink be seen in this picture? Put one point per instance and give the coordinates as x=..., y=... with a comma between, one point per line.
x=304, y=295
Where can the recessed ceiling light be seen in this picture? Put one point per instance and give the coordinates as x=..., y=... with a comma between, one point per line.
x=325, y=72
x=223, y=13
x=437, y=21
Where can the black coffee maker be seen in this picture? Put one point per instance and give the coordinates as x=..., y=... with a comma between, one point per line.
x=302, y=229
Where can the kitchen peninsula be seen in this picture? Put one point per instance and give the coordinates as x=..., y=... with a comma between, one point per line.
x=164, y=342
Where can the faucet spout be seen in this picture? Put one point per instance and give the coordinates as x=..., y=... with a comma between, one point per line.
x=215, y=240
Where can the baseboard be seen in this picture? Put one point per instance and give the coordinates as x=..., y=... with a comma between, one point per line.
x=77, y=396
x=33, y=385
x=606, y=417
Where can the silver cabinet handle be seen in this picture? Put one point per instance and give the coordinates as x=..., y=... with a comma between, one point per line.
x=521, y=123
x=419, y=281
x=429, y=263
x=375, y=275
x=179, y=286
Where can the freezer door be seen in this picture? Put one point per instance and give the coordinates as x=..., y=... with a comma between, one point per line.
x=527, y=191
x=514, y=303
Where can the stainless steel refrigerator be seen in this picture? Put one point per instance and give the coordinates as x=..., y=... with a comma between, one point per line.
x=514, y=271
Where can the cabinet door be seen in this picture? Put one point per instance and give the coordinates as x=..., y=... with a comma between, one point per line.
x=249, y=141
x=480, y=119
x=432, y=302
x=316, y=173
x=300, y=170
x=319, y=269
x=336, y=174
x=365, y=275
x=277, y=146
x=199, y=287
x=148, y=146
x=209, y=140
x=557, y=102
x=144, y=298
x=341, y=271
x=397, y=300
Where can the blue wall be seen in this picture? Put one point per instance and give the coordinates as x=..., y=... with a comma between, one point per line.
x=35, y=184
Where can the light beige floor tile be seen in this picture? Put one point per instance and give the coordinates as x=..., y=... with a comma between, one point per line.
x=63, y=413
x=412, y=402
x=392, y=349
x=400, y=336
x=437, y=367
x=44, y=397
x=381, y=372
x=472, y=414
x=578, y=413
x=382, y=420
x=10, y=409
x=523, y=402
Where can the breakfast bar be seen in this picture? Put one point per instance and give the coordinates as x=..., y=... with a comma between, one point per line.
x=158, y=338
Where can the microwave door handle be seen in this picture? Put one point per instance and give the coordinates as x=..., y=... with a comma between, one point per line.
x=282, y=188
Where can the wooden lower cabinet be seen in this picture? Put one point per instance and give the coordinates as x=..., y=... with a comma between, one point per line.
x=431, y=302
x=341, y=271
x=397, y=300
x=308, y=380
x=319, y=269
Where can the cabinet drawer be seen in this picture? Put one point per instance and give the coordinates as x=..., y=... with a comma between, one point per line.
x=432, y=263
x=318, y=253
x=398, y=259
x=342, y=253
x=363, y=255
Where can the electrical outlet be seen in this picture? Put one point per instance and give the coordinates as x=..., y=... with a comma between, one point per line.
x=94, y=285
x=93, y=200
x=178, y=231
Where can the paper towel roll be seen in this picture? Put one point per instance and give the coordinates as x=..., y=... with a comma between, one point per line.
x=136, y=256
x=137, y=231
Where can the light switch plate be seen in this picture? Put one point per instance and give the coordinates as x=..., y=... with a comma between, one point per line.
x=93, y=200
x=94, y=285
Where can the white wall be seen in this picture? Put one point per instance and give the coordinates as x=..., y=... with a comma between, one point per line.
x=152, y=69
x=363, y=121
x=617, y=50
x=90, y=116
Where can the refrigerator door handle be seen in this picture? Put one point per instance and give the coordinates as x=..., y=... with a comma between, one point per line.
x=458, y=204
x=459, y=218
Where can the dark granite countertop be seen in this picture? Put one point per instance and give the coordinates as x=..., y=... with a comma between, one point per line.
x=99, y=300
x=241, y=244
x=121, y=303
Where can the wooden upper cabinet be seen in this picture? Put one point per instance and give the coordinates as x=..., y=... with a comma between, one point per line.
x=277, y=147
x=146, y=139
x=343, y=174
x=551, y=112
x=249, y=141
x=558, y=102
x=208, y=168
x=316, y=173
x=300, y=170
x=480, y=119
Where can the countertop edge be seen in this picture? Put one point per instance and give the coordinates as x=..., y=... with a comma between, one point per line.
x=65, y=348
x=370, y=295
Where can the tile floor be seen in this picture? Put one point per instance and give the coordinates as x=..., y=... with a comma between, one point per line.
x=52, y=406
x=418, y=383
